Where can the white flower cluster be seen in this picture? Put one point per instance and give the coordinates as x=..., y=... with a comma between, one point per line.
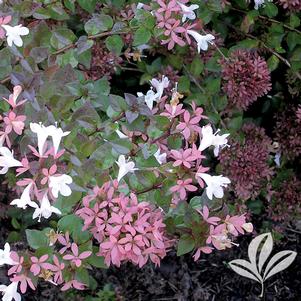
x=57, y=183
x=214, y=184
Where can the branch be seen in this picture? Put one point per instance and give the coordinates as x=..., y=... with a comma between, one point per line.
x=92, y=37
x=281, y=58
x=269, y=20
x=156, y=186
x=5, y=80
x=203, y=91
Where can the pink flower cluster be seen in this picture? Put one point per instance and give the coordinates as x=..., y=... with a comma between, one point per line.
x=125, y=229
x=170, y=19
x=12, y=123
x=3, y=21
x=27, y=270
x=220, y=232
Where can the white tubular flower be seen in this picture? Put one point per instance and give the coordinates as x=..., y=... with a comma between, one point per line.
x=161, y=158
x=7, y=160
x=150, y=97
x=202, y=41
x=5, y=255
x=214, y=184
x=24, y=200
x=56, y=134
x=212, y=139
x=10, y=292
x=188, y=11
x=14, y=34
x=59, y=184
x=139, y=5
x=125, y=166
x=258, y=3
x=119, y=133
x=160, y=85
x=42, y=133
x=277, y=159
x=45, y=210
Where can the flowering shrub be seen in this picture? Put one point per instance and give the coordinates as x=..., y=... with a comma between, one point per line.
x=130, y=130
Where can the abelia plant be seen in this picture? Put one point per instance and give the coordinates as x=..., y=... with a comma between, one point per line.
x=128, y=131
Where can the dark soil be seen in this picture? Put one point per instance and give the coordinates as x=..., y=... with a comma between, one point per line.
x=182, y=279
x=208, y=279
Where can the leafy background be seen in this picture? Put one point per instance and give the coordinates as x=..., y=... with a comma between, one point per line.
x=80, y=58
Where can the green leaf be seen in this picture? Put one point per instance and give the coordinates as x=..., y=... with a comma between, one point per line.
x=65, y=204
x=184, y=84
x=57, y=12
x=196, y=202
x=5, y=62
x=270, y=9
x=141, y=36
x=293, y=39
x=96, y=261
x=115, y=44
x=145, y=18
x=99, y=23
x=121, y=146
x=61, y=38
x=88, y=5
x=41, y=13
x=86, y=115
x=74, y=225
x=213, y=85
x=175, y=141
x=102, y=86
x=36, y=239
x=69, y=57
x=294, y=21
x=235, y=123
x=186, y=244
x=256, y=206
x=273, y=62
x=196, y=67
x=70, y=4
x=82, y=275
x=103, y=156
x=15, y=223
x=83, y=44
x=14, y=236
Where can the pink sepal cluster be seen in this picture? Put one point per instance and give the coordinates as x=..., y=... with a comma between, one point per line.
x=221, y=231
x=12, y=121
x=125, y=229
x=168, y=15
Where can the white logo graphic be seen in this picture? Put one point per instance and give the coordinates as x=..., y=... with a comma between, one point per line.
x=259, y=250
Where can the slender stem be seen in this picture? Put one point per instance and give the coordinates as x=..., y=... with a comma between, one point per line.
x=217, y=48
x=5, y=80
x=92, y=37
x=156, y=186
x=269, y=20
x=130, y=69
x=120, y=116
x=284, y=60
x=203, y=90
